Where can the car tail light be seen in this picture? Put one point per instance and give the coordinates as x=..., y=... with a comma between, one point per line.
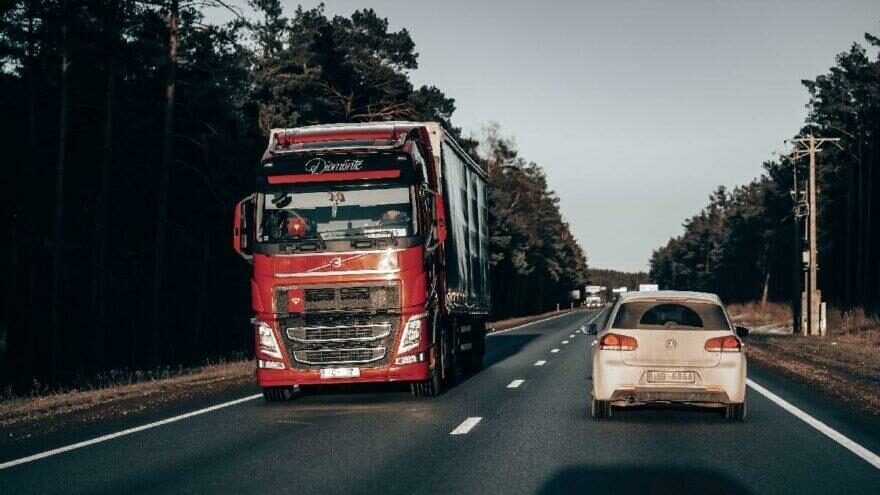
x=615, y=342
x=728, y=343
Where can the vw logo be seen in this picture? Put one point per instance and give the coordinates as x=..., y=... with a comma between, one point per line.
x=671, y=343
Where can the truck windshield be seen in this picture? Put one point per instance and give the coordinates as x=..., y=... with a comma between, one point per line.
x=335, y=213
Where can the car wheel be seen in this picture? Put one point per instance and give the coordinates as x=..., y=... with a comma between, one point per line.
x=600, y=409
x=735, y=412
x=277, y=394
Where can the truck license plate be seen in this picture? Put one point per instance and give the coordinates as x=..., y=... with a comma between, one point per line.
x=340, y=372
x=671, y=377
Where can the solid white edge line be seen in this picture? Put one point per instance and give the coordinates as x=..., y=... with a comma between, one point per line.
x=831, y=433
x=515, y=384
x=540, y=363
x=569, y=312
x=123, y=433
x=466, y=426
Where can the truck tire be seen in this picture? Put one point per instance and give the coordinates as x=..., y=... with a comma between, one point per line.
x=427, y=388
x=478, y=349
x=600, y=409
x=277, y=394
x=736, y=412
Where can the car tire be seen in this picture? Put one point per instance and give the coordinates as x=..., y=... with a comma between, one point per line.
x=600, y=409
x=736, y=412
x=277, y=394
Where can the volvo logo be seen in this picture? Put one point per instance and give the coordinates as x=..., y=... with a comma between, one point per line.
x=671, y=344
x=336, y=262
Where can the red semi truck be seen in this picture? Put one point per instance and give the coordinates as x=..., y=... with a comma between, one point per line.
x=370, y=252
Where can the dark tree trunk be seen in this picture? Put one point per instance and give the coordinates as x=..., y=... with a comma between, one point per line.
x=58, y=227
x=100, y=268
x=156, y=331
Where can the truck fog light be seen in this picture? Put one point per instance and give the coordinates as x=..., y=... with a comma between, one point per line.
x=412, y=333
x=270, y=365
x=268, y=344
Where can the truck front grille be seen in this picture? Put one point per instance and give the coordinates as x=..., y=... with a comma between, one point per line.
x=360, y=333
x=316, y=340
x=339, y=356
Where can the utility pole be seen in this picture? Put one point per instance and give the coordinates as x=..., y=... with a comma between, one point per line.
x=811, y=299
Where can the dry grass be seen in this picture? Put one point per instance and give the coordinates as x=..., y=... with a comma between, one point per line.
x=762, y=318
x=19, y=410
x=844, y=364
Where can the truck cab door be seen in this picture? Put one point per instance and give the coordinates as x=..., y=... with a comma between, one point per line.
x=243, y=232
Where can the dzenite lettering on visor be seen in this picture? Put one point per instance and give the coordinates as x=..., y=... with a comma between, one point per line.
x=321, y=165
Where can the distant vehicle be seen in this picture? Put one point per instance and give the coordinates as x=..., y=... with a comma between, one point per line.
x=648, y=287
x=668, y=347
x=593, y=302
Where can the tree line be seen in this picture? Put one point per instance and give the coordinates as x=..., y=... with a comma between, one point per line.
x=746, y=243
x=130, y=130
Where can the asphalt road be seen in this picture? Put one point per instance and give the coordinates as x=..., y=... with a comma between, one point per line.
x=535, y=437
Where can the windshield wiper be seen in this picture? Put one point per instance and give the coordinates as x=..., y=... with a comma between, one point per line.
x=390, y=234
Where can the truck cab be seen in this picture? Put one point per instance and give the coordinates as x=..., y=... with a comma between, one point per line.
x=347, y=233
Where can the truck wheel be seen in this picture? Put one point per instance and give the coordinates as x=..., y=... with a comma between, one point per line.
x=735, y=412
x=427, y=388
x=277, y=394
x=600, y=409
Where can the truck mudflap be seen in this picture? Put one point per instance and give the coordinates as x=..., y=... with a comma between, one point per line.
x=395, y=373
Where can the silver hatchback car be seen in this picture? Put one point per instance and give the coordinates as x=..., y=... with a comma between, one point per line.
x=668, y=347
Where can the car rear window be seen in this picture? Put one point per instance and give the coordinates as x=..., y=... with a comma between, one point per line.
x=675, y=315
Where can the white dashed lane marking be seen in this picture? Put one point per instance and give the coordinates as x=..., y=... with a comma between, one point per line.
x=540, y=363
x=466, y=426
x=554, y=350
x=515, y=384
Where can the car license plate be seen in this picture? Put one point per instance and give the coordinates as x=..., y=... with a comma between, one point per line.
x=340, y=372
x=671, y=377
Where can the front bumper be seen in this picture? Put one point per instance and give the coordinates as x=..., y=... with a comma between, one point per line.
x=394, y=373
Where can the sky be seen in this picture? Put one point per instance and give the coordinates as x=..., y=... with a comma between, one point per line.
x=637, y=110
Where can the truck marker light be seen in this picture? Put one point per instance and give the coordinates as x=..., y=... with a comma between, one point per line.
x=268, y=344
x=412, y=333
x=415, y=358
x=271, y=365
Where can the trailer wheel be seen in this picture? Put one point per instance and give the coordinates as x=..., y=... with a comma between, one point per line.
x=277, y=394
x=478, y=351
x=451, y=357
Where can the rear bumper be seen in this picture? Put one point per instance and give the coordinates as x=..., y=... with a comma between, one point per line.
x=404, y=373
x=671, y=394
x=615, y=381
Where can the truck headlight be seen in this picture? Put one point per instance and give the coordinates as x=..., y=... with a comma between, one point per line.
x=268, y=345
x=412, y=333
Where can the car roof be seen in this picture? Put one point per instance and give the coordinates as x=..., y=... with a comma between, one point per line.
x=669, y=294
